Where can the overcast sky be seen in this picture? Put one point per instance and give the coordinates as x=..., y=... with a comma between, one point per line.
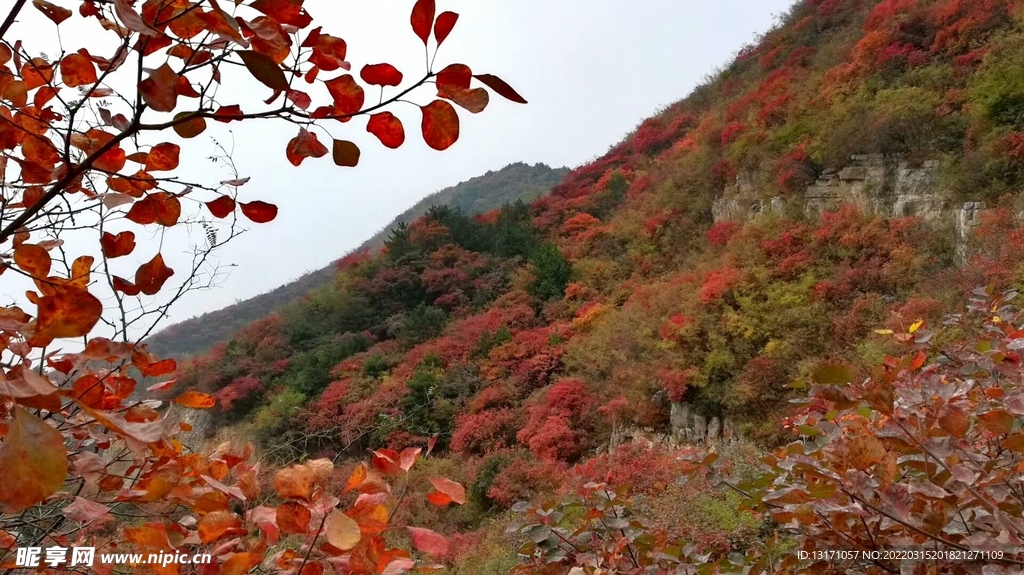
x=591, y=69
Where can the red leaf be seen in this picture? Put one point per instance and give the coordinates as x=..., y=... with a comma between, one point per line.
x=124, y=286
x=329, y=53
x=305, y=145
x=151, y=276
x=498, y=85
x=408, y=457
x=423, y=19
x=228, y=113
x=440, y=125
x=438, y=498
x=428, y=541
x=159, y=208
x=158, y=90
x=259, y=212
x=387, y=461
x=455, y=75
x=453, y=490
x=132, y=20
x=222, y=207
x=117, y=246
x=163, y=157
x=56, y=13
x=293, y=517
x=444, y=25
x=284, y=11
x=387, y=128
x=348, y=95
x=381, y=75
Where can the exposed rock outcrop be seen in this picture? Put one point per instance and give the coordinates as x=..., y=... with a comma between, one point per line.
x=874, y=183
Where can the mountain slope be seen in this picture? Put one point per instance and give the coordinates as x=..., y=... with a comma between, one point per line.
x=825, y=184
x=512, y=183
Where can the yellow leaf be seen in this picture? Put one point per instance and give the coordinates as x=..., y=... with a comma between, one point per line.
x=916, y=326
x=342, y=531
x=884, y=331
x=33, y=462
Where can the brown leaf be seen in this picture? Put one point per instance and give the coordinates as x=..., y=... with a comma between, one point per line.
x=498, y=85
x=77, y=70
x=295, y=482
x=84, y=511
x=160, y=208
x=158, y=90
x=56, y=13
x=346, y=154
x=33, y=260
x=218, y=524
x=191, y=127
x=33, y=462
x=305, y=145
x=997, y=421
x=131, y=19
x=474, y=100
x=264, y=69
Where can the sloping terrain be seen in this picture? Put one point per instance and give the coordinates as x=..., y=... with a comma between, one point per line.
x=828, y=183
x=514, y=182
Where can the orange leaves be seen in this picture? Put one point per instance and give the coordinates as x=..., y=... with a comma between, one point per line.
x=149, y=278
x=423, y=19
x=428, y=541
x=69, y=312
x=264, y=69
x=348, y=95
x=222, y=207
x=955, y=422
x=163, y=157
x=346, y=154
x=305, y=145
x=259, y=212
x=293, y=517
x=33, y=462
x=77, y=70
x=196, y=400
x=33, y=259
x=997, y=421
x=387, y=128
x=342, y=531
x=117, y=246
x=218, y=524
x=447, y=492
x=381, y=75
x=440, y=125
x=160, y=208
x=159, y=89
x=56, y=13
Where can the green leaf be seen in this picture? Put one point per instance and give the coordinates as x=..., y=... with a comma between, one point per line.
x=836, y=374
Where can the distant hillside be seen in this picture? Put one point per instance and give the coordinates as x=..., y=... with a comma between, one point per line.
x=484, y=193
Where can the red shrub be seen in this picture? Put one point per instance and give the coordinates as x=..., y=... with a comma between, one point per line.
x=719, y=283
x=523, y=479
x=485, y=432
x=240, y=390
x=721, y=232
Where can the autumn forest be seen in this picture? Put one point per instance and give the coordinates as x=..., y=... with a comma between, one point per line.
x=775, y=329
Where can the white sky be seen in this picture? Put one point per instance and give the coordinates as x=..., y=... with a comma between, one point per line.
x=591, y=69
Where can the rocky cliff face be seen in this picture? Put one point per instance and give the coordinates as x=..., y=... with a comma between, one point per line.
x=873, y=183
